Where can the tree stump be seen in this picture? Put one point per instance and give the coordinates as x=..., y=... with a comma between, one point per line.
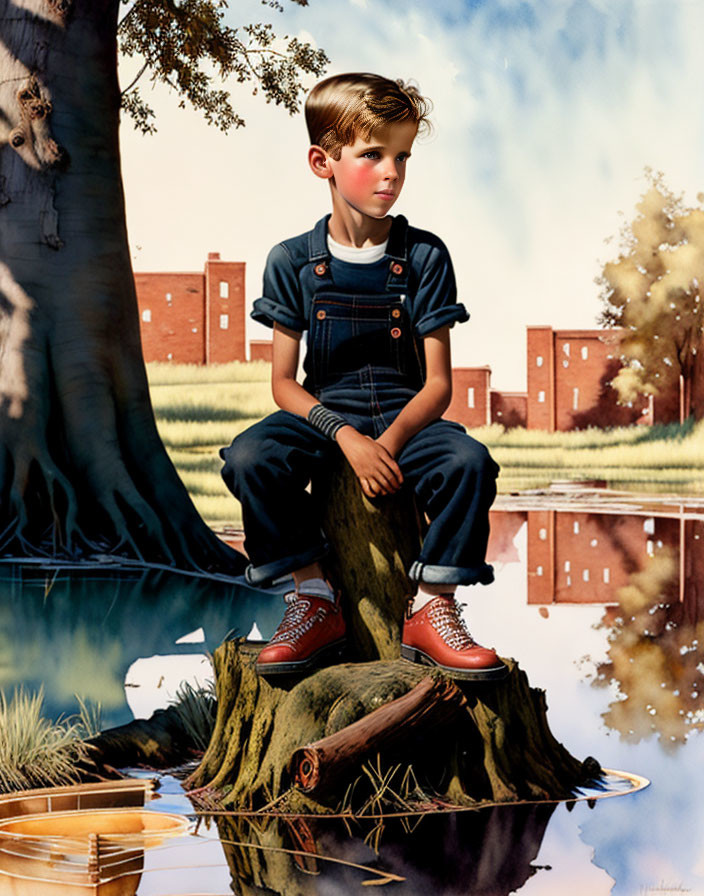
x=338, y=737
x=496, y=745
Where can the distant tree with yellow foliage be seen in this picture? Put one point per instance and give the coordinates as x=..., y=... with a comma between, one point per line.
x=653, y=290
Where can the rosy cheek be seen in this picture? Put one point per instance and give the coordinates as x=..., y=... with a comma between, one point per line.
x=362, y=176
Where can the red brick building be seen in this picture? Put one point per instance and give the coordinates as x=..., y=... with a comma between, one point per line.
x=471, y=396
x=194, y=318
x=475, y=403
x=260, y=350
x=568, y=378
x=199, y=318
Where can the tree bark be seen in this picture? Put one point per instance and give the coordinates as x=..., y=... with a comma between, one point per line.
x=372, y=543
x=82, y=468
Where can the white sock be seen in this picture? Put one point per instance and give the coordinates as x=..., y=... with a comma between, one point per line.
x=424, y=597
x=317, y=587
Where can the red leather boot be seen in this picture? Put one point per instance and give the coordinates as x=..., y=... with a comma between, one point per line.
x=311, y=633
x=436, y=635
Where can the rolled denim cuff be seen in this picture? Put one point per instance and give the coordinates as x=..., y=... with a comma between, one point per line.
x=441, y=317
x=325, y=420
x=451, y=575
x=267, y=573
x=266, y=311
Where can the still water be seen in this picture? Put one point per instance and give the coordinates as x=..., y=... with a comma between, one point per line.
x=601, y=602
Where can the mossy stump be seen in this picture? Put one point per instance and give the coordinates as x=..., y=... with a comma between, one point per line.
x=488, y=742
x=497, y=747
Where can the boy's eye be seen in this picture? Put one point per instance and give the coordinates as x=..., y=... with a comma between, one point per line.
x=372, y=154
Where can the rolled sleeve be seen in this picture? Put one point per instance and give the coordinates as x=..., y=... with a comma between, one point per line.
x=281, y=301
x=436, y=302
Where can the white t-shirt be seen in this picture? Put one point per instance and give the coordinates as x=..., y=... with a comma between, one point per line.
x=366, y=255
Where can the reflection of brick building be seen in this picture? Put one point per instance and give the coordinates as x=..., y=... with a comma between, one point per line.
x=194, y=318
x=586, y=557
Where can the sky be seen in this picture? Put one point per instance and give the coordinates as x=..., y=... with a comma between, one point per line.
x=546, y=115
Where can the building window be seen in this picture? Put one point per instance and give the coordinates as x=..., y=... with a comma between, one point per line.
x=169, y=357
x=147, y=315
x=224, y=321
x=224, y=289
x=470, y=397
x=539, y=361
x=575, y=527
x=585, y=575
x=607, y=575
x=575, y=399
x=567, y=565
x=541, y=396
x=543, y=534
x=585, y=352
x=566, y=349
x=539, y=571
x=169, y=298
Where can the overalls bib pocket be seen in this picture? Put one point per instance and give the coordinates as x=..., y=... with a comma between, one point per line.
x=352, y=332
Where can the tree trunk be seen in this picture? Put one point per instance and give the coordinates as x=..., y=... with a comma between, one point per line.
x=372, y=543
x=82, y=468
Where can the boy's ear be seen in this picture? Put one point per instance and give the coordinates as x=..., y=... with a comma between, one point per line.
x=318, y=161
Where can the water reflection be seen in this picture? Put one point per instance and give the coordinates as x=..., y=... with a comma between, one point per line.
x=638, y=575
x=485, y=853
x=647, y=571
x=78, y=633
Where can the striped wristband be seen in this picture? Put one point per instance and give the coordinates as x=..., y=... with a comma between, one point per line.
x=328, y=422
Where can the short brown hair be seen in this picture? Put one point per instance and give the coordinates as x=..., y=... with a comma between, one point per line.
x=339, y=108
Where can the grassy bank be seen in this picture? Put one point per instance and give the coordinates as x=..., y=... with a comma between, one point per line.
x=200, y=409
x=653, y=458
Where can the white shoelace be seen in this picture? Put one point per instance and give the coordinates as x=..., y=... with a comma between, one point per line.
x=294, y=624
x=446, y=619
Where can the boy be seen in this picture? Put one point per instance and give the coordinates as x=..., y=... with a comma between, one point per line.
x=378, y=299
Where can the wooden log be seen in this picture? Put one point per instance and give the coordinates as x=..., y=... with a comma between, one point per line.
x=430, y=704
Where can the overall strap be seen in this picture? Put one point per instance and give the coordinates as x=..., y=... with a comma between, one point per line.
x=397, y=253
x=319, y=254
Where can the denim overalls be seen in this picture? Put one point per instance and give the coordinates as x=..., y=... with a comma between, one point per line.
x=363, y=362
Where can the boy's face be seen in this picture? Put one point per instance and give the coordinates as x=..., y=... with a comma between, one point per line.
x=369, y=174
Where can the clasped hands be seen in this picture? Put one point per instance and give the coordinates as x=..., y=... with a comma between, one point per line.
x=372, y=460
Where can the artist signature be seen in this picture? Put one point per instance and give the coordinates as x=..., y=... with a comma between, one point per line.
x=664, y=889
